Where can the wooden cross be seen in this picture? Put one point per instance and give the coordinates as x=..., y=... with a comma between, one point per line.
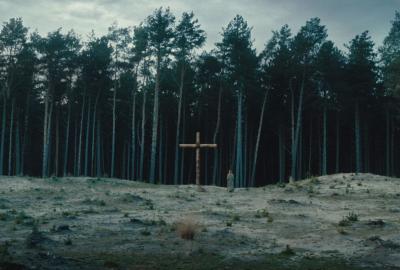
x=198, y=145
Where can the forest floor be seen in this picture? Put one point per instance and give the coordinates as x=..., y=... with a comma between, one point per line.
x=341, y=221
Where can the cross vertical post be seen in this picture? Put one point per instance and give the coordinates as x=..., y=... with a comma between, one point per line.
x=197, y=146
x=198, y=158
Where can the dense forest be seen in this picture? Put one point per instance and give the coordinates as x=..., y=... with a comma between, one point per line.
x=119, y=105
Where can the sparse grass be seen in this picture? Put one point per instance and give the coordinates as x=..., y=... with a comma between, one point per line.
x=182, y=196
x=235, y=217
x=89, y=211
x=149, y=204
x=315, y=181
x=261, y=213
x=4, y=216
x=131, y=198
x=4, y=252
x=348, y=220
x=23, y=218
x=146, y=222
x=145, y=232
x=204, y=260
x=60, y=228
x=187, y=228
x=288, y=251
x=35, y=237
x=352, y=217
x=97, y=202
x=69, y=214
x=281, y=185
x=68, y=241
x=376, y=222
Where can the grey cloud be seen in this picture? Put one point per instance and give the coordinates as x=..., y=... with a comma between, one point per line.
x=343, y=18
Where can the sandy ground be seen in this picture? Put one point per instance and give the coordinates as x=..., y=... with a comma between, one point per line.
x=88, y=223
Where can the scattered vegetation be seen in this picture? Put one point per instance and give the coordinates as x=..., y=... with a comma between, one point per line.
x=235, y=217
x=349, y=219
x=4, y=251
x=261, y=213
x=96, y=202
x=288, y=251
x=187, y=228
x=145, y=232
x=376, y=222
x=35, y=237
x=68, y=241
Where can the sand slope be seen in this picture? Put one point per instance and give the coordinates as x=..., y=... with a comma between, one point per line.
x=90, y=223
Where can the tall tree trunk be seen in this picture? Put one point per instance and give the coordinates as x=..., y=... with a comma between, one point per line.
x=337, y=143
x=260, y=123
x=387, y=161
x=56, y=159
x=122, y=170
x=293, y=170
x=160, y=155
x=66, y=145
x=216, y=131
x=48, y=150
x=300, y=155
x=3, y=133
x=165, y=173
x=25, y=134
x=80, y=137
x=282, y=153
x=153, y=153
x=183, y=153
x=178, y=125
x=393, y=172
x=324, y=143
x=98, y=157
x=17, y=148
x=87, y=137
x=76, y=147
x=295, y=141
x=310, y=143
x=113, y=130
x=244, y=154
x=133, y=143
x=357, y=136
x=45, y=124
x=129, y=163
x=366, y=148
x=10, y=148
x=239, y=142
x=94, y=133
x=143, y=134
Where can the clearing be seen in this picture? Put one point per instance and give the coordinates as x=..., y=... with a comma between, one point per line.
x=341, y=221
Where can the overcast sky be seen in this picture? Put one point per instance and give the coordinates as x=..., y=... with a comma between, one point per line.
x=343, y=18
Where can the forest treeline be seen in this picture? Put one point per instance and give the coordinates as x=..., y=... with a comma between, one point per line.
x=119, y=105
